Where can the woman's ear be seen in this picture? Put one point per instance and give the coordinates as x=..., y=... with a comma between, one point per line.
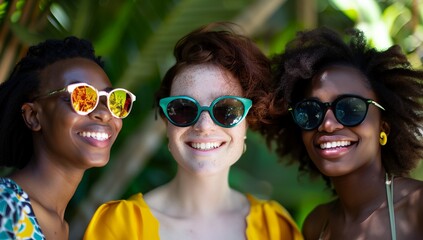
x=30, y=116
x=384, y=127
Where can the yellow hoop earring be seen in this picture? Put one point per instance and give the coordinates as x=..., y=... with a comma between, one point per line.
x=383, y=138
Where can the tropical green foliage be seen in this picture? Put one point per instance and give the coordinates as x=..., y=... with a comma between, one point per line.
x=136, y=37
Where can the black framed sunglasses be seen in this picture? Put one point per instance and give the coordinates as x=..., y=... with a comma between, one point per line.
x=349, y=110
x=84, y=99
x=225, y=111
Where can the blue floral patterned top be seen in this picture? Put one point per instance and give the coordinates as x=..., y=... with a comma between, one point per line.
x=17, y=218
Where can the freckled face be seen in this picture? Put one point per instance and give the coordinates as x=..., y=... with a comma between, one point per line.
x=73, y=139
x=206, y=148
x=353, y=148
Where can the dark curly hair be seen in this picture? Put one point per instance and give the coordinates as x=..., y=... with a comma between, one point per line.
x=16, y=146
x=218, y=44
x=398, y=87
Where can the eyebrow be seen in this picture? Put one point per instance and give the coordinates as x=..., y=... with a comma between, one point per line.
x=311, y=98
x=108, y=89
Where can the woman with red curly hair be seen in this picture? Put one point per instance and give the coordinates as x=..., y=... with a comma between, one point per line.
x=219, y=80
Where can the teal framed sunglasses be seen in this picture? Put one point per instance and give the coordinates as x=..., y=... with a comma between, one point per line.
x=225, y=111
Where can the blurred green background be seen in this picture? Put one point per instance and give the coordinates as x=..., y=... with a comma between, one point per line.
x=136, y=38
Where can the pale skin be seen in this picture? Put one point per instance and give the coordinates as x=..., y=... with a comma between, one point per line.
x=360, y=210
x=61, y=153
x=198, y=202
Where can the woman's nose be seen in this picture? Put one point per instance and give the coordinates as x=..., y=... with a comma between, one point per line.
x=102, y=112
x=329, y=123
x=204, y=122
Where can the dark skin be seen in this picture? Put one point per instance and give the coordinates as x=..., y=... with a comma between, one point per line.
x=61, y=153
x=356, y=171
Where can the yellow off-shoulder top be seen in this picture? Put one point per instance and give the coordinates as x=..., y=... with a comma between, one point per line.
x=133, y=219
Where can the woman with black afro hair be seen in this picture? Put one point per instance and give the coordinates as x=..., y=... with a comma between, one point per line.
x=53, y=127
x=354, y=115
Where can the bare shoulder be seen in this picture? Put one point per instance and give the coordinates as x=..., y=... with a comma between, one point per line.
x=410, y=195
x=156, y=198
x=409, y=190
x=316, y=220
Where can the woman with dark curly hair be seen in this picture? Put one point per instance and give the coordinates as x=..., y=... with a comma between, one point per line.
x=54, y=125
x=218, y=78
x=355, y=118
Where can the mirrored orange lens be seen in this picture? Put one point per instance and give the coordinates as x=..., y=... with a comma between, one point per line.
x=84, y=99
x=120, y=103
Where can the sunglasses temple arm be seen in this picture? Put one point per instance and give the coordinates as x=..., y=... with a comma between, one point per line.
x=378, y=105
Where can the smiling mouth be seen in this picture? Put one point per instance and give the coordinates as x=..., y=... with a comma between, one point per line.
x=206, y=145
x=336, y=144
x=100, y=136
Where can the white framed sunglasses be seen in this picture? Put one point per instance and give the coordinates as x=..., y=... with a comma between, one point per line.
x=84, y=99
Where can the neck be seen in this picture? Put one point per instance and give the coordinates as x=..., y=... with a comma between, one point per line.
x=51, y=187
x=360, y=194
x=202, y=195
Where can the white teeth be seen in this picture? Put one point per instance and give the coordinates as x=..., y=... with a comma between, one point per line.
x=334, y=144
x=205, y=146
x=101, y=136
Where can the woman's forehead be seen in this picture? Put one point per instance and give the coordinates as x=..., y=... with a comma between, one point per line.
x=67, y=71
x=205, y=78
x=338, y=80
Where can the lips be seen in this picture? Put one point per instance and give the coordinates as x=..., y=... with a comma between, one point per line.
x=99, y=136
x=205, y=145
x=333, y=148
x=334, y=144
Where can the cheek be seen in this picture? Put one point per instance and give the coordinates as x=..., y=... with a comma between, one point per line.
x=370, y=128
x=63, y=119
x=368, y=146
x=238, y=135
x=118, y=124
x=173, y=133
x=56, y=126
x=239, y=131
x=369, y=133
x=307, y=137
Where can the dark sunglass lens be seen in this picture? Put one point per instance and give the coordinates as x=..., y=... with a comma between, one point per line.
x=308, y=114
x=228, y=111
x=350, y=111
x=84, y=99
x=182, y=111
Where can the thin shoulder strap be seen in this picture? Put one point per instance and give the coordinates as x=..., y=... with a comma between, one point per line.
x=323, y=231
x=389, y=183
